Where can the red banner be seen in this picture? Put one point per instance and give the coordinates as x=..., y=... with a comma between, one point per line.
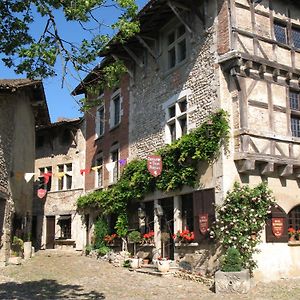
x=278, y=226
x=154, y=165
x=203, y=223
x=41, y=193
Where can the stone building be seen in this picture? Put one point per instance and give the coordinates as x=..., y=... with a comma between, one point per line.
x=59, y=181
x=22, y=107
x=106, y=136
x=192, y=58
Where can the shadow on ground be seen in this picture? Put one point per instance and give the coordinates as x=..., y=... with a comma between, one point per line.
x=45, y=289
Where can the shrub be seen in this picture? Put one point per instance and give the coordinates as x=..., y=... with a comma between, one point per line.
x=232, y=261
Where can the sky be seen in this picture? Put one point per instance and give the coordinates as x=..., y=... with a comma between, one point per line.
x=60, y=101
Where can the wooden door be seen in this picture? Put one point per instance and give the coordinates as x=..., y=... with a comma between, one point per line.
x=167, y=225
x=50, y=232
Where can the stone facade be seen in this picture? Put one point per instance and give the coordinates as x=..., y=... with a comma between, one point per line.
x=22, y=105
x=60, y=149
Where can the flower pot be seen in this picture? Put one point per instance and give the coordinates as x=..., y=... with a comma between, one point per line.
x=163, y=266
x=135, y=263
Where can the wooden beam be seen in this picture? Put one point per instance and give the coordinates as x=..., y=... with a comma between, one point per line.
x=177, y=14
x=115, y=57
x=267, y=169
x=133, y=56
x=146, y=46
x=285, y=171
x=246, y=166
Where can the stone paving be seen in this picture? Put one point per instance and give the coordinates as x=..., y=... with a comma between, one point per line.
x=67, y=275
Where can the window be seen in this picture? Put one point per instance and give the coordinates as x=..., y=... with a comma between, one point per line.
x=176, y=46
x=296, y=37
x=294, y=98
x=115, y=111
x=64, y=175
x=100, y=122
x=280, y=32
x=99, y=171
x=187, y=212
x=294, y=218
x=115, y=158
x=176, y=116
x=64, y=222
x=45, y=181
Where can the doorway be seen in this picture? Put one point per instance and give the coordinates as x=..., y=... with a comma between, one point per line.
x=50, y=232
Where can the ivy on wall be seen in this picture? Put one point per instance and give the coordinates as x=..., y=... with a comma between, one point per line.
x=180, y=163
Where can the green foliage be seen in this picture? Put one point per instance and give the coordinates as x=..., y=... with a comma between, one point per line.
x=88, y=249
x=36, y=55
x=126, y=263
x=17, y=246
x=243, y=215
x=232, y=261
x=180, y=161
x=103, y=250
x=100, y=231
x=134, y=236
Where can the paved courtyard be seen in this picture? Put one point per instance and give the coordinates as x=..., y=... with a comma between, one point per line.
x=62, y=275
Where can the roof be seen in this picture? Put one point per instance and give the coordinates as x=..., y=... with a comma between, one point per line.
x=64, y=122
x=36, y=93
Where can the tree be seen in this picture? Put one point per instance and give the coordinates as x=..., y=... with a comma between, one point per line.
x=36, y=54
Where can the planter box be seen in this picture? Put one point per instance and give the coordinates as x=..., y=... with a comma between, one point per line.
x=232, y=282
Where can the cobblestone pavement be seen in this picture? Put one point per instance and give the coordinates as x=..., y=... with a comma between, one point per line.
x=61, y=275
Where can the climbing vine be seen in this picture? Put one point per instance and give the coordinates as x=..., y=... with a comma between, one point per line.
x=241, y=219
x=180, y=160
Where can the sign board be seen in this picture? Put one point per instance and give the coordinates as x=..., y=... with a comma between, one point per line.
x=41, y=193
x=154, y=165
x=278, y=226
x=203, y=223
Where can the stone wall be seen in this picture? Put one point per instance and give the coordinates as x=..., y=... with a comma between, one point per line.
x=155, y=86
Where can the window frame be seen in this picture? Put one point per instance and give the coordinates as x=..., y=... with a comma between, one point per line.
x=99, y=171
x=115, y=118
x=173, y=123
x=173, y=27
x=100, y=121
x=294, y=105
x=65, y=183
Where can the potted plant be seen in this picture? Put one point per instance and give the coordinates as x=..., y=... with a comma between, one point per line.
x=184, y=237
x=134, y=237
x=292, y=233
x=28, y=247
x=232, y=278
x=17, y=248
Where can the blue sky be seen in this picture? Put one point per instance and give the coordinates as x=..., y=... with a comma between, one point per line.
x=59, y=99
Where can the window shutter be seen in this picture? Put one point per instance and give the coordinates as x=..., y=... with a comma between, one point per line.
x=277, y=212
x=204, y=203
x=97, y=125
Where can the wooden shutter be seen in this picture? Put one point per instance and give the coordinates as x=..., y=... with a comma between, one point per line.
x=277, y=212
x=203, y=202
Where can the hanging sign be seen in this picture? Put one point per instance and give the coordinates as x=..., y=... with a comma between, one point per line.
x=154, y=165
x=278, y=226
x=41, y=193
x=203, y=223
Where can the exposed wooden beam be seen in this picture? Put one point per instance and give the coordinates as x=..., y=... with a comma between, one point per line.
x=246, y=166
x=116, y=58
x=146, y=46
x=133, y=56
x=285, y=171
x=267, y=169
x=177, y=14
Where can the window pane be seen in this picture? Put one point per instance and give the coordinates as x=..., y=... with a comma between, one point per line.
x=294, y=100
x=171, y=38
x=115, y=158
x=183, y=105
x=60, y=183
x=280, y=33
x=99, y=162
x=296, y=37
x=172, y=57
x=181, y=31
x=295, y=126
x=187, y=212
x=65, y=226
x=172, y=132
x=69, y=182
x=294, y=217
x=181, y=51
x=172, y=112
x=101, y=121
x=116, y=110
x=183, y=126
x=69, y=167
